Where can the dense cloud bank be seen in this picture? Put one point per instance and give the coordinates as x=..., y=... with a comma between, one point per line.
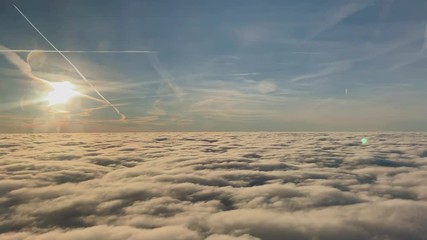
x=213, y=186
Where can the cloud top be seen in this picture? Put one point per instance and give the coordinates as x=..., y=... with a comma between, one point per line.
x=216, y=186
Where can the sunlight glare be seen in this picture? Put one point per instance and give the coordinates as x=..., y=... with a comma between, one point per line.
x=61, y=93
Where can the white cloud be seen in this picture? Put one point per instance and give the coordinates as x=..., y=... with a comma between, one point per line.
x=213, y=186
x=266, y=87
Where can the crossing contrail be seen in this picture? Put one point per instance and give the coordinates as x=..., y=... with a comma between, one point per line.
x=122, y=116
x=72, y=51
x=25, y=68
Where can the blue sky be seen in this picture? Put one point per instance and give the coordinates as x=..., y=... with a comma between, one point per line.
x=220, y=65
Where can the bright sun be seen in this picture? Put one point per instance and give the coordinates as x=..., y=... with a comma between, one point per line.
x=61, y=93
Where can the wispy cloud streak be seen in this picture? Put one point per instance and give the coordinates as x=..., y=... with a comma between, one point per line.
x=25, y=69
x=335, y=68
x=72, y=51
x=338, y=15
x=122, y=116
x=425, y=40
x=166, y=76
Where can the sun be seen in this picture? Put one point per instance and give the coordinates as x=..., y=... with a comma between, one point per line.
x=62, y=92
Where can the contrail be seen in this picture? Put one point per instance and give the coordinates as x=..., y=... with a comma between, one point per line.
x=73, y=51
x=165, y=76
x=122, y=116
x=25, y=68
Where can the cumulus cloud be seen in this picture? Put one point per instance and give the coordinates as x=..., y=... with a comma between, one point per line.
x=213, y=186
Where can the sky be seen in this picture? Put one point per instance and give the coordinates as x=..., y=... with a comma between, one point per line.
x=216, y=65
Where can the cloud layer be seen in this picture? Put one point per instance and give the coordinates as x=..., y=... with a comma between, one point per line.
x=213, y=186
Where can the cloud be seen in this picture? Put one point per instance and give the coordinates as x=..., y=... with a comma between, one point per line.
x=166, y=77
x=336, y=15
x=327, y=71
x=254, y=33
x=106, y=101
x=71, y=51
x=266, y=87
x=425, y=40
x=211, y=186
x=111, y=233
x=25, y=68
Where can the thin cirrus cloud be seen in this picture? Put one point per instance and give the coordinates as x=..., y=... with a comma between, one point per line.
x=71, y=51
x=25, y=68
x=122, y=116
x=273, y=63
x=336, y=15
